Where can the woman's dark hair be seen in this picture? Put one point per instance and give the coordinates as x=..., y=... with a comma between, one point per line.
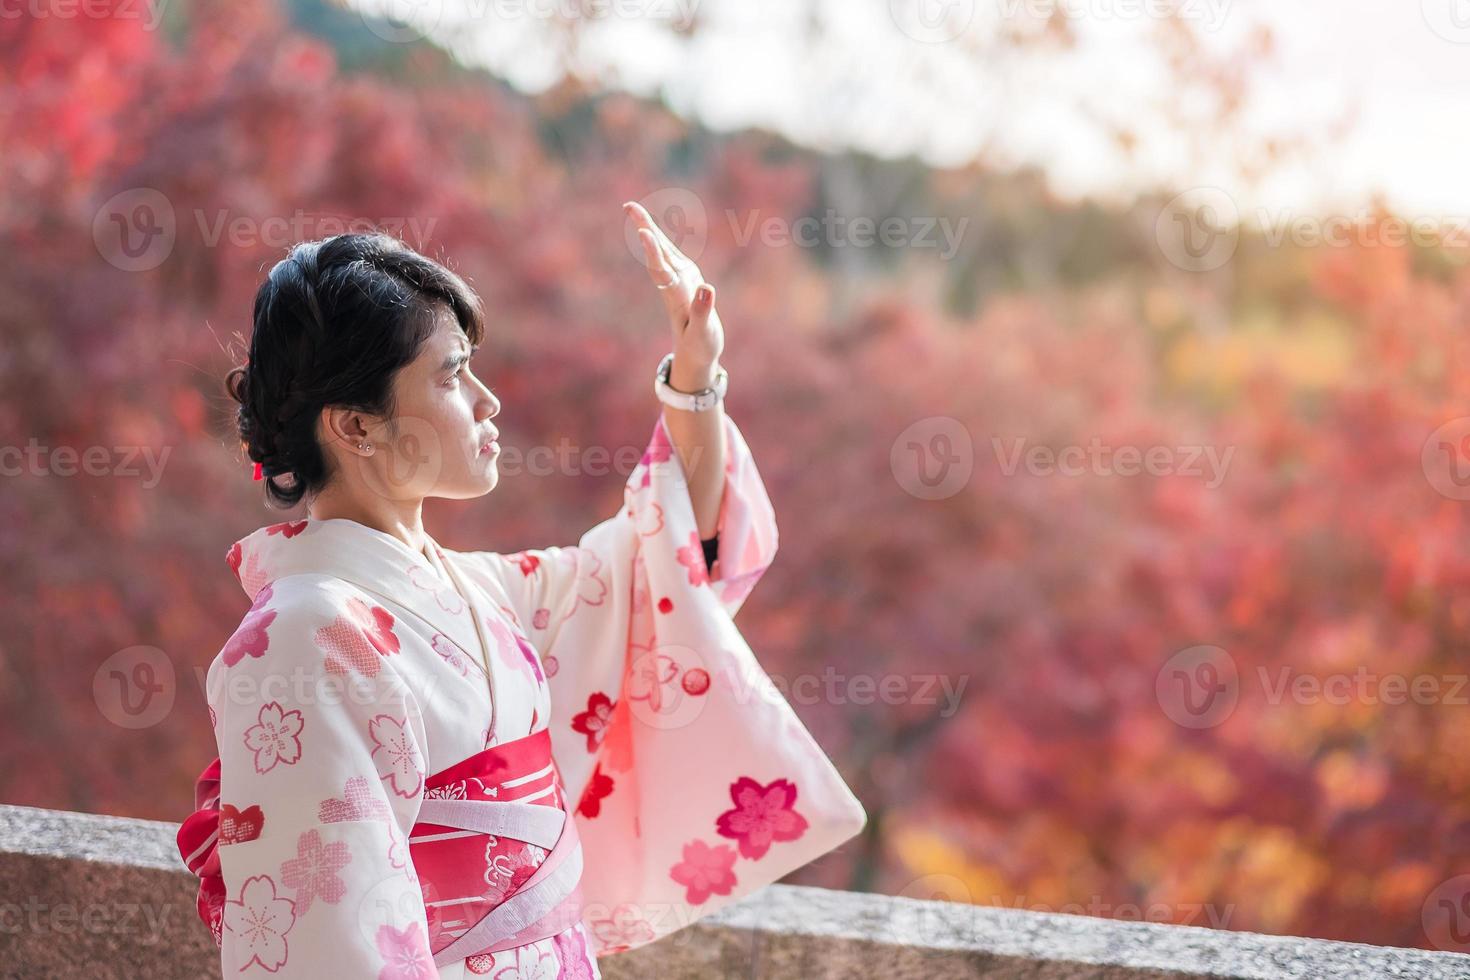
x=334, y=322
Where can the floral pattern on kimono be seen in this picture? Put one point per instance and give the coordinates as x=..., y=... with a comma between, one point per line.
x=360, y=670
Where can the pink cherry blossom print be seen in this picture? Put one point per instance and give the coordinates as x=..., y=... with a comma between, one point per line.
x=211, y=904
x=649, y=517
x=528, y=653
x=526, y=562
x=263, y=596
x=251, y=575
x=288, y=529
x=762, y=814
x=649, y=678
x=429, y=581
x=275, y=737
x=591, y=589
x=396, y=754
x=659, y=450
x=357, y=640
x=540, y=618
x=598, y=789
x=312, y=873
x=530, y=963
x=594, y=721
x=358, y=802
x=551, y=664
x=705, y=871
x=260, y=919
x=232, y=558
x=691, y=556
x=622, y=930
x=250, y=638
x=505, y=643
x=238, y=826
x=446, y=649
x=397, y=849
x=405, y=953
x=571, y=949
x=480, y=964
x=376, y=623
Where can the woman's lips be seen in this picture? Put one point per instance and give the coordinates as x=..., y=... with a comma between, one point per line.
x=493, y=446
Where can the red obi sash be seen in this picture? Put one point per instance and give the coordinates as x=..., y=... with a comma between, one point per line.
x=495, y=848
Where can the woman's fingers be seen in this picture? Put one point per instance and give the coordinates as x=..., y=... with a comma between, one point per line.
x=675, y=259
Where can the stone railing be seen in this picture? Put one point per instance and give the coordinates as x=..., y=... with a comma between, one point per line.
x=83, y=895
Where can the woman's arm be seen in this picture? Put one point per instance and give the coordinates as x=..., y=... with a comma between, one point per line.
x=699, y=339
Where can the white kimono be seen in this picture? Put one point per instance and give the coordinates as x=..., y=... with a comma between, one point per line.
x=358, y=673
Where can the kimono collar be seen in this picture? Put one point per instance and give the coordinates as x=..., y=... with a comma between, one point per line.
x=372, y=560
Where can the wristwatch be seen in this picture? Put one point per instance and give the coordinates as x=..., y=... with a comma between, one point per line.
x=698, y=401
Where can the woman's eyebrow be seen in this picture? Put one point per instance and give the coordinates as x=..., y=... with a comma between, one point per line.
x=454, y=360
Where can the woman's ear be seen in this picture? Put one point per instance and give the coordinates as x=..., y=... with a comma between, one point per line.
x=343, y=426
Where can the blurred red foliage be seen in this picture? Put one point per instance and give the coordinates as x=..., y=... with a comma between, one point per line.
x=1055, y=600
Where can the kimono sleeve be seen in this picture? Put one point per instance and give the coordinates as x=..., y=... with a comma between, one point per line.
x=547, y=585
x=695, y=781
x=322, y=766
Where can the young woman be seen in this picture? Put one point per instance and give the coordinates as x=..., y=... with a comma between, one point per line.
x=443, y=763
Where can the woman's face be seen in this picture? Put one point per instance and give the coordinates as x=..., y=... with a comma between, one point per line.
x=442, y=443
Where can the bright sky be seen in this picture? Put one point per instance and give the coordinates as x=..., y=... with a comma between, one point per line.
x=881, y=77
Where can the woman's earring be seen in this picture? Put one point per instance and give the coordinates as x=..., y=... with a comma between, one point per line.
x=366, y=447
